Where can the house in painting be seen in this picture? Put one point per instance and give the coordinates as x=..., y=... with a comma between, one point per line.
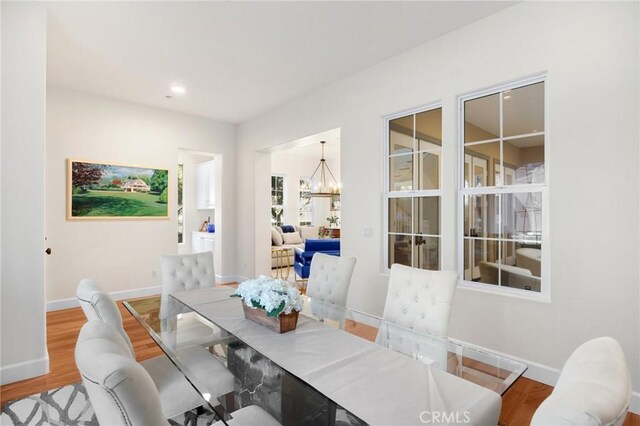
x=135, y=185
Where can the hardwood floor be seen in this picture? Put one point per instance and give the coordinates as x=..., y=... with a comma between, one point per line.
x=63, y=328
x=518, y=404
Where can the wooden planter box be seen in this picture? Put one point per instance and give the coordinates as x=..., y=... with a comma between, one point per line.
x=280, y=324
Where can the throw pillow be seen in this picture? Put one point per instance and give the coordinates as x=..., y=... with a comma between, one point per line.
x=292, y=238
x=276, y=237
x=287, y=229
x=309, y=232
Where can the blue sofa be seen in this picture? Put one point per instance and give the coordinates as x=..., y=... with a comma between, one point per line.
x=304, y=256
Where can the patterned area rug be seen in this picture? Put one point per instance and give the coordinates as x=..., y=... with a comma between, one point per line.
x=70, y=406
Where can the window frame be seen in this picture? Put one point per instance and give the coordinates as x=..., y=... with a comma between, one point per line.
x=413, y=193
x=284, y=198
x=543, y=188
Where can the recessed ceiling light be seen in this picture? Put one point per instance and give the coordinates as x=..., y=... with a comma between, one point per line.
x=178, y=89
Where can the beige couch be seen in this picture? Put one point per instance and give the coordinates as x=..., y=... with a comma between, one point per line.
x=305, y=233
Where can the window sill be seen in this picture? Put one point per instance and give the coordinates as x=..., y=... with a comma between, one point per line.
x=504, y=291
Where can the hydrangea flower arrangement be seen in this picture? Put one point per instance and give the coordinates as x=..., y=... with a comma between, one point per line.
x=275, y=296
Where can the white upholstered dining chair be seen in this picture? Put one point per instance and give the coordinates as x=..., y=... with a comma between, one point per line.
x=330, y=277
x=419, y=300
x=594, y=388
x=328, y=286
x=176, y=393
x=187, y=272
x=121, y=391
x=183, y=272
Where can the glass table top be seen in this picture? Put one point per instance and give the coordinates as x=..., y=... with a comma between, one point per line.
x=206, y=353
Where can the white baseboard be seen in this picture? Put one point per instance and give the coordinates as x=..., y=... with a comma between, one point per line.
x=56, y=305
x=223, y=279
x=231, y=278
x=634, y=407
x=543, y=373
x=24, y=370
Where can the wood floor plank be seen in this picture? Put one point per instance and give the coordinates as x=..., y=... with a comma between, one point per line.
x=518, y=404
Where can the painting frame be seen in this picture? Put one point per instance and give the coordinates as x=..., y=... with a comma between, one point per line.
x=88, y=195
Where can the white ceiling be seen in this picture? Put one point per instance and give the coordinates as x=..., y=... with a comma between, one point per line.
x=236, y=59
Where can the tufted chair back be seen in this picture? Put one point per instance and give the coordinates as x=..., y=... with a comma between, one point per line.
x=330, y=277
x=187, y=272
x=99, y=306
x=420, y=299
x=120, y=390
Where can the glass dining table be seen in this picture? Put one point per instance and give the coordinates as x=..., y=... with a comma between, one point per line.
x=339, y=367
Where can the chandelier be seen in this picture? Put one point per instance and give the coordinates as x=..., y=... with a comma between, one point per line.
x=324, y=188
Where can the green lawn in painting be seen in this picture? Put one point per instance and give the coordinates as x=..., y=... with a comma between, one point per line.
x=117, y=203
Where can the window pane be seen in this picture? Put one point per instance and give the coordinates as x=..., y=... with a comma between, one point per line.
x=401, y=173
x=508, y=253
x=480, y=260
x=426, y=253
x=522, y=216
x=429, y=168
x=529, y=258
x=480, y=160
x=481, y=216
x=523, y=110
x=400, y=249
x=400, y=215
x=426, y=215
x=277, y=198
x=524, y=160
x=401, y=135
x=482, y=118
x=429, y=127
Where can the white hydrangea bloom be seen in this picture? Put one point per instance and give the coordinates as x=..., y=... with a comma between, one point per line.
x=270, y=293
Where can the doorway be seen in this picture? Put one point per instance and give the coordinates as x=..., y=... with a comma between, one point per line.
x=290, y=200
x=199, y=224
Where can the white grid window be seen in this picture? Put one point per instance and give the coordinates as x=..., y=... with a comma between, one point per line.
x=413, y=188
x=306, y=205
x=503, y=189
x=278, y=199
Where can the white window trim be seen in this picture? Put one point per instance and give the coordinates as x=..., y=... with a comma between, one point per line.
x=284, y=196
x=386, y=194
x=545, y=289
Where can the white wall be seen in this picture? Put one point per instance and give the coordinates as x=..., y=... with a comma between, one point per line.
x=296, y=163
x=23, y=353
x=123, y=255
x=590, y=51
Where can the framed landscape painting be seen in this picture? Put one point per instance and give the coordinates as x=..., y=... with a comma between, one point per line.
x=111, y=191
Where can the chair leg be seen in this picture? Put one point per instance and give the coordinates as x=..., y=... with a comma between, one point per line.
x=302, y=284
